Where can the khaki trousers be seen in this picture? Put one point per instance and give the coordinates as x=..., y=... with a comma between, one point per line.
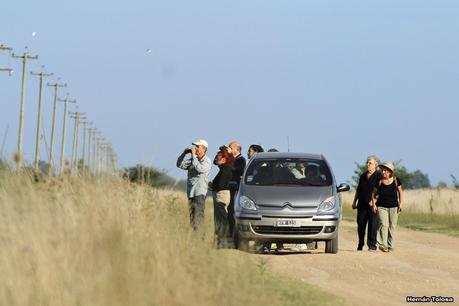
x=221, y=202
x=388, y=222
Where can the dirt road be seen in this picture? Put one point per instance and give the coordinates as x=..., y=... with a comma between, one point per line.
x=423, y=264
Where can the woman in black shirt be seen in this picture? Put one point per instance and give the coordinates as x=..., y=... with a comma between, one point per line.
x=387, y=202
x=221, y=197
x=362, y=202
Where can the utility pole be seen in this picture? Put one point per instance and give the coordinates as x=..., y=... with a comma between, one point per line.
x=24, y=58
x=64, y=130
x=88, y=160
x=99, y=154
x=84, y=144
x=40, y=97
x=94, y=150
x=53, y=127
x=76, y=133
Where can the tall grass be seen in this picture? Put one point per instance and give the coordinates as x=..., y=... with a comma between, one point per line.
x=435, y=210
x=78, y=242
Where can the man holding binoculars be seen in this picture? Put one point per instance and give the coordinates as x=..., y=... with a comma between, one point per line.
x=198, y=166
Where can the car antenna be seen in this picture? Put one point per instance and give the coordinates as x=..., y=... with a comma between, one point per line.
x=288, y=144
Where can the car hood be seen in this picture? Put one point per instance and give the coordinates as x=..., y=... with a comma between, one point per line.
x=296, y=196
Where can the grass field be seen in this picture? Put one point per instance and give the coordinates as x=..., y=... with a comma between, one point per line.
x=432, y=210
x=81, y=242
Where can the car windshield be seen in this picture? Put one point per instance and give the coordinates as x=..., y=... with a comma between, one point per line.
x=288, y=171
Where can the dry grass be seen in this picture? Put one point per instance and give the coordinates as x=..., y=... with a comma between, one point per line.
x=444, y=201
x=111, y=243
x=433, y=210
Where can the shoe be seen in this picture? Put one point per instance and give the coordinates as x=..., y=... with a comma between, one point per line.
x=372, y=250
x=360, y=248
x=265, y=248
x=383, y=248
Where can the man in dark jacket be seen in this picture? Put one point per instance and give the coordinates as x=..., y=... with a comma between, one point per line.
x=238, y=170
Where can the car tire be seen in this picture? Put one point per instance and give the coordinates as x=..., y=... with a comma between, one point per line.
x=240, y=243
x=331, y=246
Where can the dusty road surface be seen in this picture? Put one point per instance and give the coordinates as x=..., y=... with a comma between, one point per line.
x=423, y=264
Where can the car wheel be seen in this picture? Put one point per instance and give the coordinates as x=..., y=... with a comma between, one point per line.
x=331, y=246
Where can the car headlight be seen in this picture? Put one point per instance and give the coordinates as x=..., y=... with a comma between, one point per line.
x=247, y=203
x=327, y=205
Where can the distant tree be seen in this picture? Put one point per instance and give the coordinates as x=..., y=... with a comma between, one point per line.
x=455, y=182
x=419, y=180
x=442, y=184
x=403, y=174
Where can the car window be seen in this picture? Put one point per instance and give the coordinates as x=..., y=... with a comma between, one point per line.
x=288, y=171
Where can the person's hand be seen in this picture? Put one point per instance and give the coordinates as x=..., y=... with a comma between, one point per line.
x=193, y=151
x=375, y=208
x=399, y=210
x=354, y=206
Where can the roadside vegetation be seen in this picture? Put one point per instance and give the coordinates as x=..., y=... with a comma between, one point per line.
x=111, y=242
x=431, y=210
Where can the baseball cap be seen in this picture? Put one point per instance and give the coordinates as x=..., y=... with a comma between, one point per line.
x=201, y=142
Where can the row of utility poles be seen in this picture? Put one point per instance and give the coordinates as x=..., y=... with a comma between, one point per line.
x=97, y=155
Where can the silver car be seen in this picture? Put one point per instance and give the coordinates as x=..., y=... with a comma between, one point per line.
x=288, y=197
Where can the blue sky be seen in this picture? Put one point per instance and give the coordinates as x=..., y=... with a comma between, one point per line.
x=343, y=78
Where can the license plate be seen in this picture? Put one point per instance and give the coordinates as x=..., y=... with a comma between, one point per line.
x=286, y=222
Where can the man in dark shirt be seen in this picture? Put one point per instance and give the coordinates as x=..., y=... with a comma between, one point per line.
x=238, y=170
x=365, y=215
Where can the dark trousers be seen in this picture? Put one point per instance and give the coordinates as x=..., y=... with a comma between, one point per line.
x=231, y=221
x=367, y=221
x=197, y=206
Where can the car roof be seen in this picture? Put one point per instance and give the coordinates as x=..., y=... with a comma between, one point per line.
x=288, y=155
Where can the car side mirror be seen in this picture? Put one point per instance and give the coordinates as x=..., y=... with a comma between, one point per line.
x=343, y=187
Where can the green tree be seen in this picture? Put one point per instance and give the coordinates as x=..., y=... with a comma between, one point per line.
x=420, y=180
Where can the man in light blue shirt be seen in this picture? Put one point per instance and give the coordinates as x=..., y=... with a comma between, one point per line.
x=198, y=166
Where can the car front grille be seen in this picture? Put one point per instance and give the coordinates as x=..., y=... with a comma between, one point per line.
x=274, y=230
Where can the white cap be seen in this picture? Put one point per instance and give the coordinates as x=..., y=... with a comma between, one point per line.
x=201, y=142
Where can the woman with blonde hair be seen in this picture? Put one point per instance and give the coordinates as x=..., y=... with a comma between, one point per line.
x=387, y=201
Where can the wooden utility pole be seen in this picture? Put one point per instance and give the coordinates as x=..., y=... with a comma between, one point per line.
x=83, y=154
x=24, y=58
x=64, y=131
x=53, y=127
x=76, y=133
x=40, y=97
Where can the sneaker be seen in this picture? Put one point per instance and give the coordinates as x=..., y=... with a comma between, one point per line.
x=383, y=248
